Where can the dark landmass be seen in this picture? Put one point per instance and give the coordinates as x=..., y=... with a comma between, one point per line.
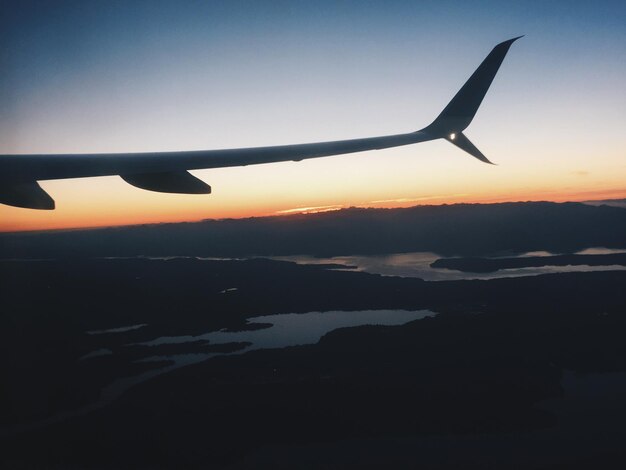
x=450, y=230
x=608, y=202
x=137, y=351
x=481, y=369
x=488, y=265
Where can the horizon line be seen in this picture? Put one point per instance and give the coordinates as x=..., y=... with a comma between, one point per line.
x=290, y=213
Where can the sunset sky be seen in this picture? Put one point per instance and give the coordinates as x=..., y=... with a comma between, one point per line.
x=123, y=76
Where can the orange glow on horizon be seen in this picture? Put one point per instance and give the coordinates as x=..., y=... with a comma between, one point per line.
x=29, y=220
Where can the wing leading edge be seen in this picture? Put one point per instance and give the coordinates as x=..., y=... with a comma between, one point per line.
x=167, y=171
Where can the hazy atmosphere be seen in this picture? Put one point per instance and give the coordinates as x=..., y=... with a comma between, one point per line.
x=151, y=76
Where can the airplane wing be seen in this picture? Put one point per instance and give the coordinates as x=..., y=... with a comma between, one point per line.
x=167, y=171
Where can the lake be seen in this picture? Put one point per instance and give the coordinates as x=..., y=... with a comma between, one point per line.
x=417, y=264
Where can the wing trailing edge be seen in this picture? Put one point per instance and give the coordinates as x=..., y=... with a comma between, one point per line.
x=461, y=109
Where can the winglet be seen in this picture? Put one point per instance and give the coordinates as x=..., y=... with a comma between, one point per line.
x=460, y=111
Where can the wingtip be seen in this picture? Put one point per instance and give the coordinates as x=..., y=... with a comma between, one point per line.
x=508, y=42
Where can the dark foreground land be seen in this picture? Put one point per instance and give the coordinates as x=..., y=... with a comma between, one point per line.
x=484, y=384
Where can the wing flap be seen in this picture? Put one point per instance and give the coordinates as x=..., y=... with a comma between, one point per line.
x=181, y=182
x=26, y=194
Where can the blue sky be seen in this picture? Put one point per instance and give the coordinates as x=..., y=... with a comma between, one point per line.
x=147, y=76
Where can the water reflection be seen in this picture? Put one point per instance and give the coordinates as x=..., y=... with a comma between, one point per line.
x=284, y=330
x=417, y=264
x=292, y=329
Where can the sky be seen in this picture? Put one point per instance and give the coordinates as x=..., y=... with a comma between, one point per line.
x=125, y=76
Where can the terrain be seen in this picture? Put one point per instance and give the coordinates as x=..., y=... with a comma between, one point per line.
x=449, y=230
x=110, y=358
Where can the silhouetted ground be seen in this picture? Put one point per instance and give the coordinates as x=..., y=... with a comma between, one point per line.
x=481, y=371
x=450, y=230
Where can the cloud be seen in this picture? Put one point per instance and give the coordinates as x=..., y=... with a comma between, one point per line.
x=416, y=199
x=579, y=172
x=310, y=210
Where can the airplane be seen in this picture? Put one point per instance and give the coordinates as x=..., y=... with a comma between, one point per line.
x=167, y=171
